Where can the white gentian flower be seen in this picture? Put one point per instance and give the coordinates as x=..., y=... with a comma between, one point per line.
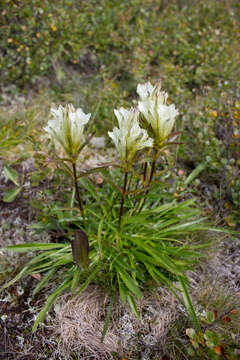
x=129, y=137
x=153, y=106
x=67, y=128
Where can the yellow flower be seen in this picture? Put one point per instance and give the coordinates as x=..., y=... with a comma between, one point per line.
x=53, y=27
x=213, y=113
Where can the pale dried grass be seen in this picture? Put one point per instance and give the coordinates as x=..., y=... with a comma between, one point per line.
x=80, y=322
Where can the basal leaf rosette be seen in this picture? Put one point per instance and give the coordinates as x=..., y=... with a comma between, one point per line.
x=66, y=127
x=129, y=138
x=158, y=115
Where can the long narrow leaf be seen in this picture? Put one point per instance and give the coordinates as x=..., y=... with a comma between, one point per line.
x=195, y=173
x=50, y=301
x=33, y=246
x=133, y=305
x=129, y=282
x=76, y=278
x=45, y=279
x=188, y=303
x=87, y=282
x=22, y=273
x=109, y=312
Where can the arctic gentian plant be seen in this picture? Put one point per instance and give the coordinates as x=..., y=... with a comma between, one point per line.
x=129, y=234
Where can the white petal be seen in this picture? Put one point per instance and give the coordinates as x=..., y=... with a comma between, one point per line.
x=81, y=116
x=145, y=90
x=58, y=113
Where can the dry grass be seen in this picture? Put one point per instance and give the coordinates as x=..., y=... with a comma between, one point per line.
x=80, y=323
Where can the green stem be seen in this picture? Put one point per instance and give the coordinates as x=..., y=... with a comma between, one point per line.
x=188, y=303
x=149, y=183
x=122, y=200
x=80, y=205
x=144, y=176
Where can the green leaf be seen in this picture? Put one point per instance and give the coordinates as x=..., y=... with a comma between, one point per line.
x=97, y=169
x=158, y=276
x=162, y=259
x=11, y=174
x=188, y=303
x=109, y=312
x=99, y=238
x=133, y=305
x=87, y=282
x=114, y=230
x=68, y=219
x=24, y=271
x=76, y=278
x=34, y=247
x=50, y=301
x=90, y=188
x=195, y=173
x=211, y=337
x=111, y=182
x=129, y=282
x=10, y=195
x=80, y=248
x=188, y=226
x=44, y=281
x=123, y=291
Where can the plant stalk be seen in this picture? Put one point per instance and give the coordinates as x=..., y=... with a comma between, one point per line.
x=144, y=173
x=80, y=204
x=149, y=182
x=122, y=200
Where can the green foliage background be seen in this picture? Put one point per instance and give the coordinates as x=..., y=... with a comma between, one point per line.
x=189, y=40
x=95, y=52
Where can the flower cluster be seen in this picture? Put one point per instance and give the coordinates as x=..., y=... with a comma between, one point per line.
x=67, y=125
x=158, y=116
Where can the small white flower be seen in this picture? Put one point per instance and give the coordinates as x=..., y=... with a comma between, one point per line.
x=153, y=106
x=129, y=137
x=67, y=128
